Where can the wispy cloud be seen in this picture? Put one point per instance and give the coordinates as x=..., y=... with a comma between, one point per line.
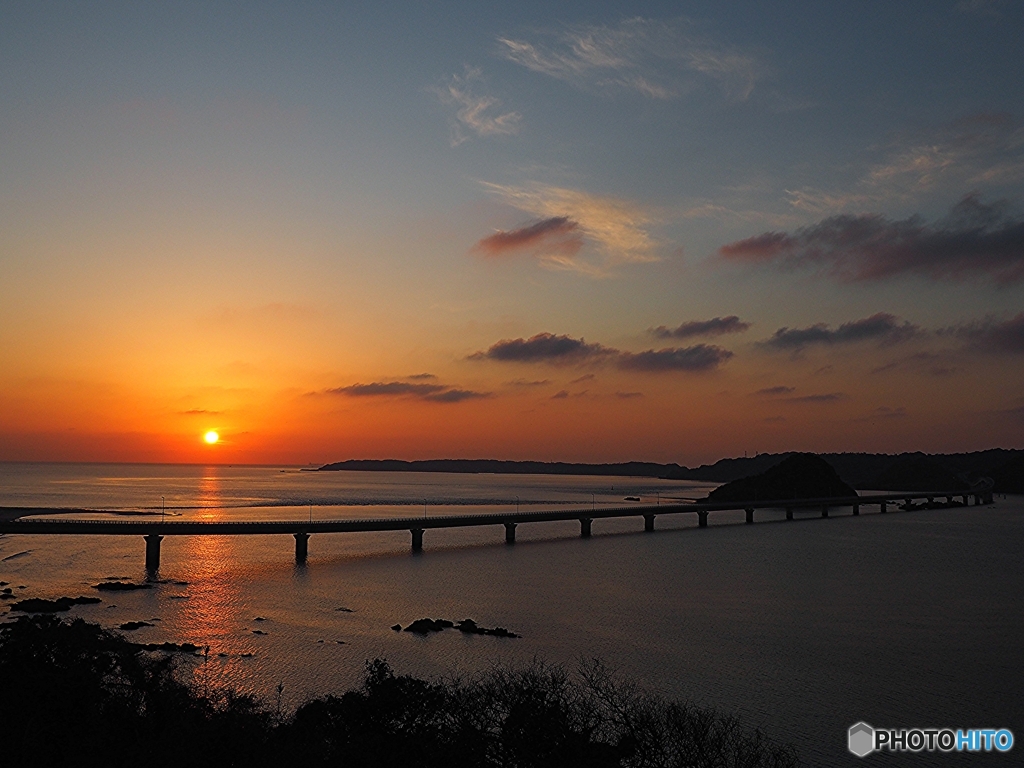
x=881, y=327
x=821, y=399
x=927, y=363
x=992, y=335
x=475, y=114
x=980, y=151
x=658, y=59
x=526, y=383
x=590, y=234
x=700, y=357
x=552, y=349
x=456, y=396
x=774, y=391
x=884, y=413
x=544, y=347
x=716, y=326
x=387, y=388
x=556, y=235
x=735, y=211
x=816, y=202
x=199, y=412
x=975, y=239
x=438, y=393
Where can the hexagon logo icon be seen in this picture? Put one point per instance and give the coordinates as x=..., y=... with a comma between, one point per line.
x=861, y=739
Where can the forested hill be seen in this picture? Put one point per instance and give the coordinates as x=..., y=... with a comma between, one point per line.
x=878, y=471
x=884, y=471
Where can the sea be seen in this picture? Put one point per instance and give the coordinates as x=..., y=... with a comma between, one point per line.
x=800, y=628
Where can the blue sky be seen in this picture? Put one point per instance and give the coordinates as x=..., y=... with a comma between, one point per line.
x=225, y=212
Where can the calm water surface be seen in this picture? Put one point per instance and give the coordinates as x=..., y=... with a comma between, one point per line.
x=801, y=628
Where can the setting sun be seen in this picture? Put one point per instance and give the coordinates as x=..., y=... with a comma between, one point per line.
x=211, y=437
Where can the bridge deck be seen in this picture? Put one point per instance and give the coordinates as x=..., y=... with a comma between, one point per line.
x=230, y=528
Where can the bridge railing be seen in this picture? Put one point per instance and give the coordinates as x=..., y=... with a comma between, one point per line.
x=155, y=530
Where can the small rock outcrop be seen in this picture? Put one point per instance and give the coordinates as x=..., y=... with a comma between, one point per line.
x=120, y=586
x=39, y=605
x=170, y=647
x=426, y=626
x=466, y=626
x=469, y=627
x=799, y=476
x=129, y=626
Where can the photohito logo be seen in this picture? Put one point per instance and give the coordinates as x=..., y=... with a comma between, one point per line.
x=862, y=739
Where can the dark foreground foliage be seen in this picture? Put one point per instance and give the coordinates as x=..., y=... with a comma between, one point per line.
x=73, y=694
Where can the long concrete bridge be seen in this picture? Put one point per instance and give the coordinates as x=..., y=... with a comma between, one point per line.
x=153, y=531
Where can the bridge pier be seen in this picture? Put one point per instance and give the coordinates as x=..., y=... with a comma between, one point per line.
x=510, y=533
x=585, y=527
x=824, y=510
x=648, y=523
x=417, y=539
x=702, y=518
x=153, y=552
x=750, y=514
x=856, y=509
x=301, y=547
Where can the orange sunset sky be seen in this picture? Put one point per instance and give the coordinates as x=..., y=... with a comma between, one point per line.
x=581, y=232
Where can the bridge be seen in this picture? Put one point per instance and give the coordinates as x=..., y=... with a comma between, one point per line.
x=154, y=531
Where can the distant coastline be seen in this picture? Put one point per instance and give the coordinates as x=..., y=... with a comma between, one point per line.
x=861, y=470
x=499, y=467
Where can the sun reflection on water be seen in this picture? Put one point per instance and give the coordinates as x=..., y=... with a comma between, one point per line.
x=210, y=501
x=215, y=613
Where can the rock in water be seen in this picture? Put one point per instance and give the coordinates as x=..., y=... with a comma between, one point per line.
x=120, y=586
x=425, y=626
x=466, y=626
x=129, y=626
x=39, y=605
x=170, y=647
x=800, y=476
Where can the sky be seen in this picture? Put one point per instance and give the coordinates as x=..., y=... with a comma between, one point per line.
x=591, y=231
